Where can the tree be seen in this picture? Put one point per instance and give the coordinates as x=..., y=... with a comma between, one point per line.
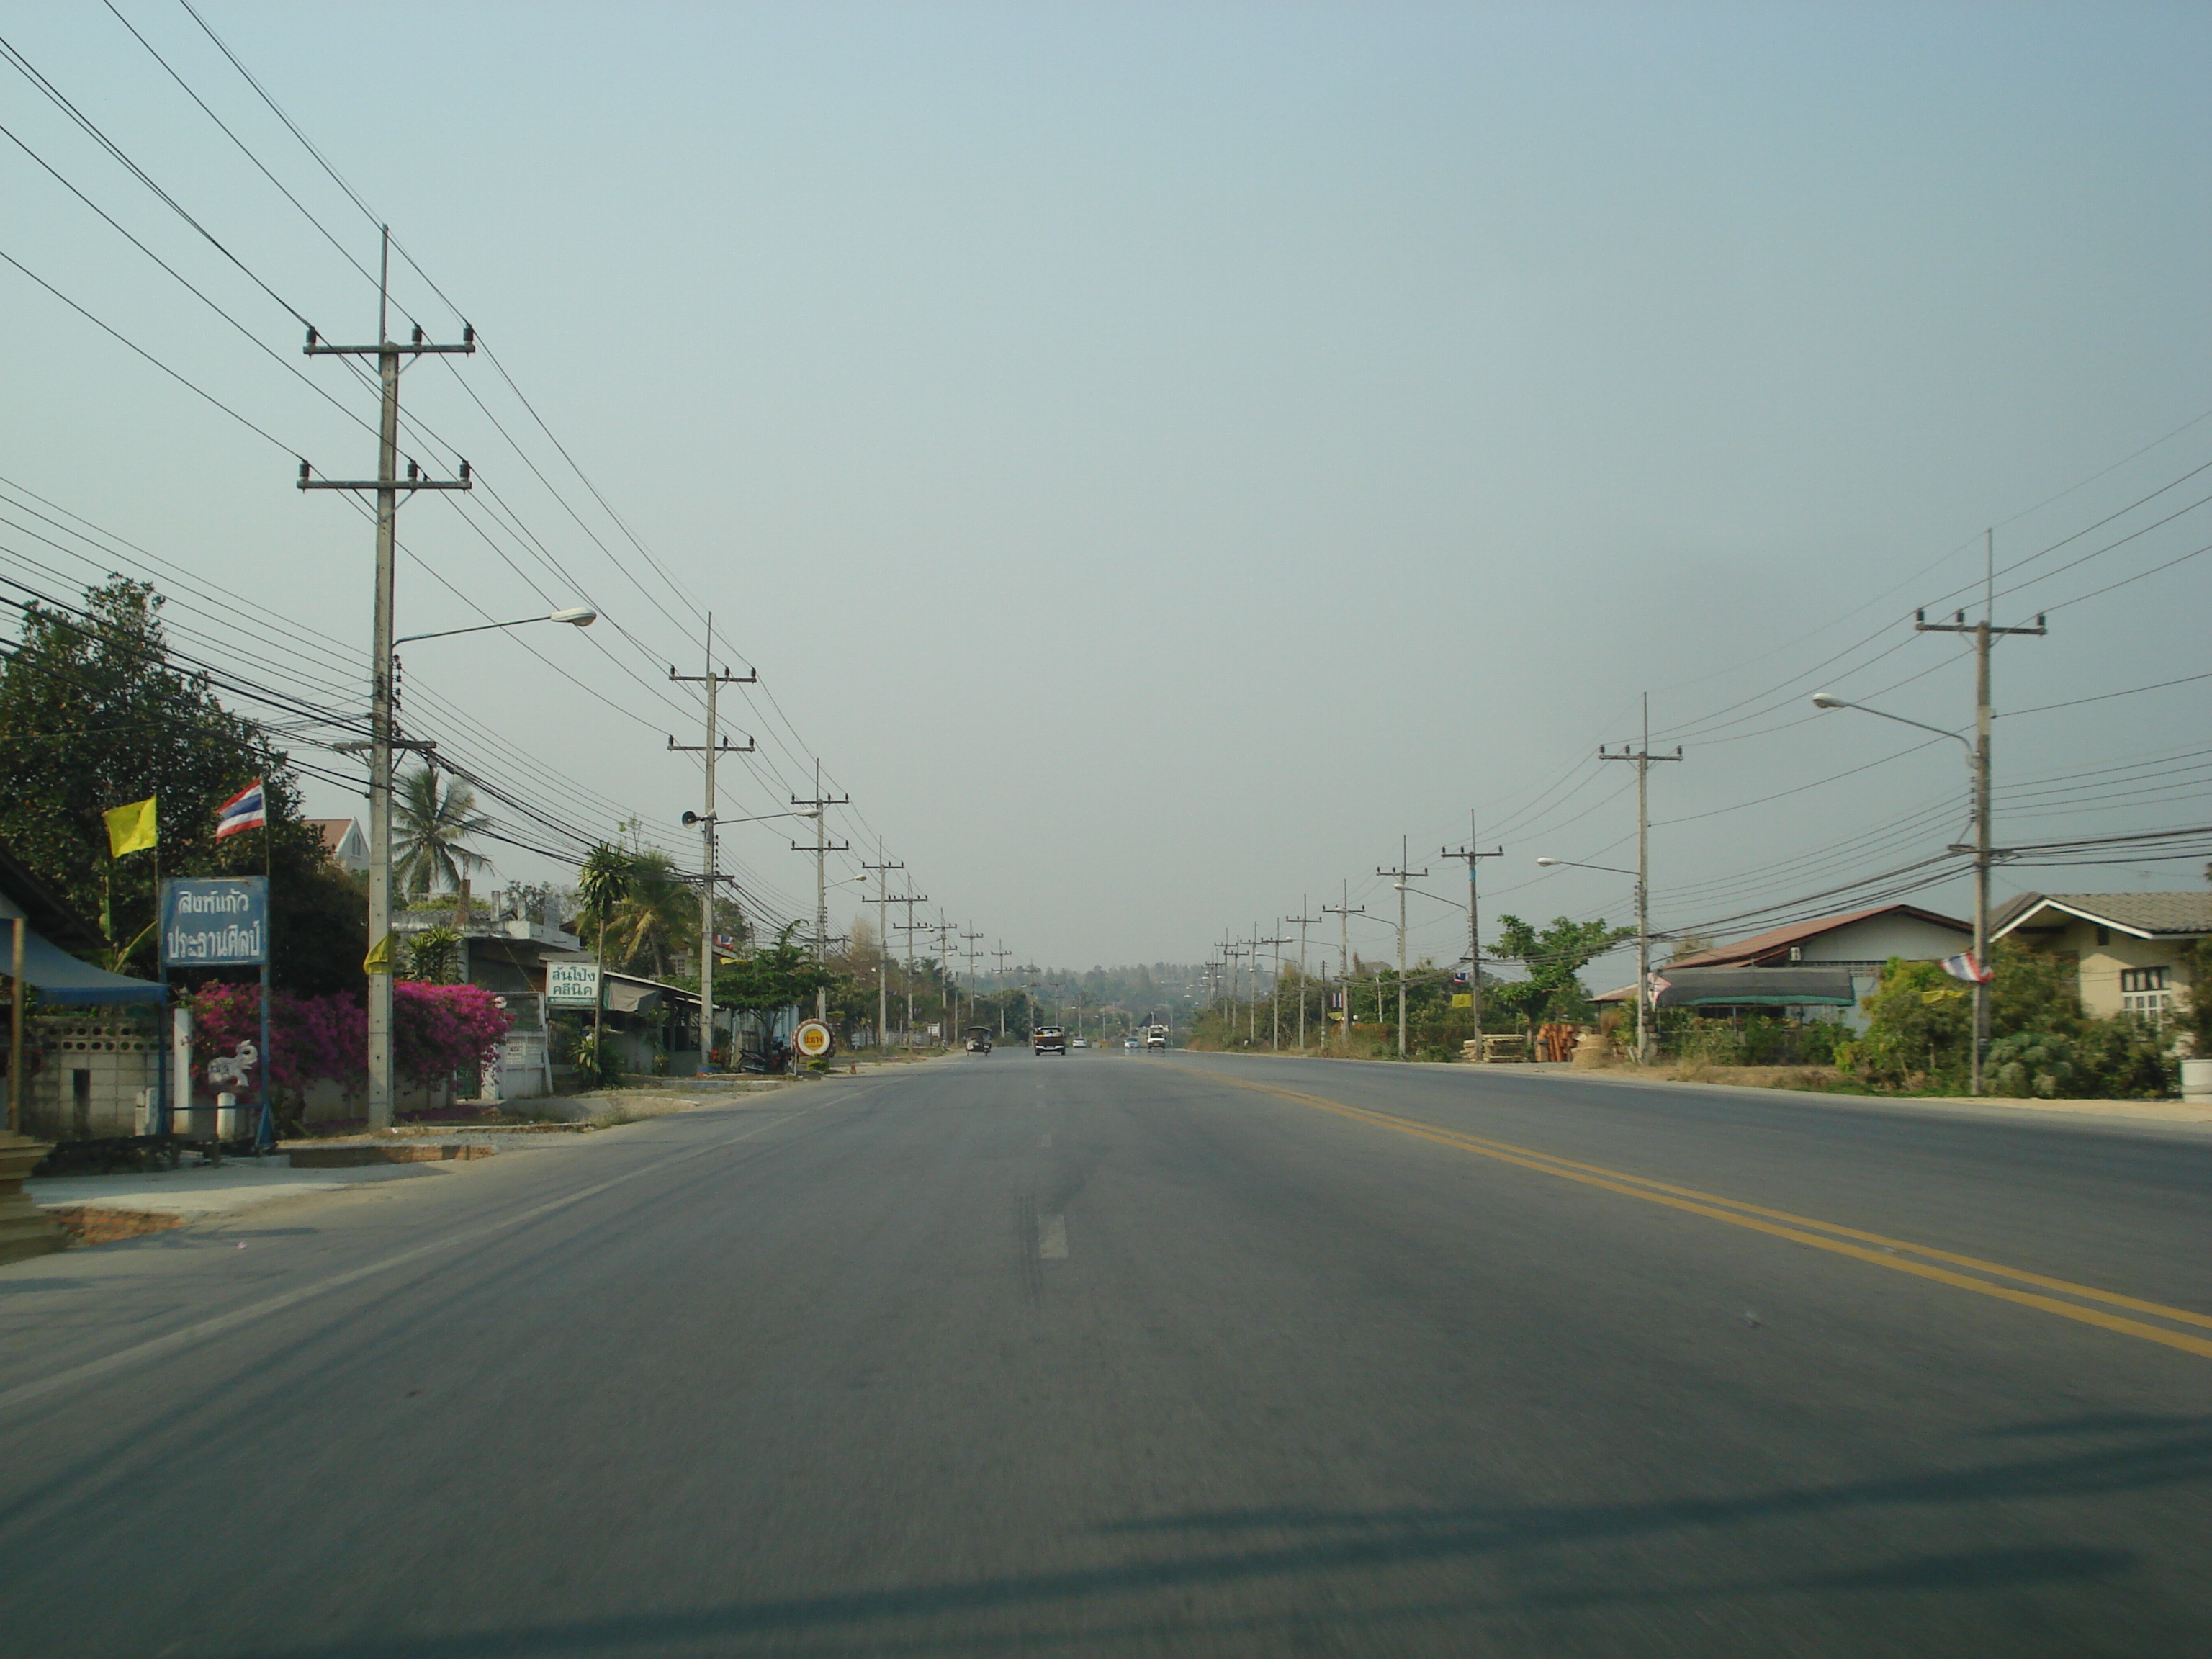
x=656, y=914
x=773, y=978
x=602, y=882
x=1554, y=958
x=94, y=714
x=432, y=825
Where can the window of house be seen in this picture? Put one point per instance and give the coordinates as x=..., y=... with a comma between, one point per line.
x=2104, y=936
x=2146, y=993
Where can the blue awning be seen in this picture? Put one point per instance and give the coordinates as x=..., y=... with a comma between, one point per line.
x=60, y=977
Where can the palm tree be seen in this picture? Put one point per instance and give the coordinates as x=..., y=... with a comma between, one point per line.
x=602, y=882
x=655, y=911
x=431, y=825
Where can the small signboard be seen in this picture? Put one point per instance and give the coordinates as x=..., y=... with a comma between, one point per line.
x=572, y=984
x=813, y=1039
x=214, y=921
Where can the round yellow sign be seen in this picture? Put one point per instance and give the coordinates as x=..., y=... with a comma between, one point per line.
x=812, y=1040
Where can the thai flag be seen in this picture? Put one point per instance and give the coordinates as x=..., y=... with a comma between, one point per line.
x=244, y=811
x=1963, y=966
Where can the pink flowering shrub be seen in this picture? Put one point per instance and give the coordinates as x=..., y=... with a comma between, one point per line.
x=437, y=1030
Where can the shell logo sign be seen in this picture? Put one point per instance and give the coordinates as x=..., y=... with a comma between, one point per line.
x=813, y=1039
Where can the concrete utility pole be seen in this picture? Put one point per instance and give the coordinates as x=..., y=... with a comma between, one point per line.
x=946, y=981
x=1344, y=914
x=910, y=927
x=1473, y=924
x=972, y=956
x=1302, y=920
x=1274, y=990
x=1984, y=853
x=822, y=849
x=1399, y=878
x=881, y=870
x=716, y=745
x=383, y=738
x=1002, y=953
x=1643, y=757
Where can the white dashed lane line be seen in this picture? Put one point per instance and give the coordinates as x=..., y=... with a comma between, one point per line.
x=1052, y=1237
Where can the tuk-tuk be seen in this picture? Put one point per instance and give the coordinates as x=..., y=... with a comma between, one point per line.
x=979, y=1039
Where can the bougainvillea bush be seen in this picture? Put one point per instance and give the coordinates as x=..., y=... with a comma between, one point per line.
x=440, y=1029
x=437, y=1030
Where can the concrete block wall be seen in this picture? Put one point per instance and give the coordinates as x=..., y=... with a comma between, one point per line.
x=96, y=1074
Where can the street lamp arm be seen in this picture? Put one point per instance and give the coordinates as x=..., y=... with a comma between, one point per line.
x=1822, y=700
x=1573, y=864
x=576, y=616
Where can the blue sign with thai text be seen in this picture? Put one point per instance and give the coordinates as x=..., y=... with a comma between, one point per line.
x=214, y=921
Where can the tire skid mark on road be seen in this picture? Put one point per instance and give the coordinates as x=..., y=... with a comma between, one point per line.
x=154, y=1348
x=1873, y=1249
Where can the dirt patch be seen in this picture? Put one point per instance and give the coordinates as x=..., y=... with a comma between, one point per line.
x=351, y=1156
x=96, y=1223
x=1757, y=1077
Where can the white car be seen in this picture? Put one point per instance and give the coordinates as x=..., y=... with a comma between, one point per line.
x=1079, y=1042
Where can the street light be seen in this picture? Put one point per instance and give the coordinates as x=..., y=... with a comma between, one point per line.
x=1978, y=808
x=1643, y=946
x=576, y=615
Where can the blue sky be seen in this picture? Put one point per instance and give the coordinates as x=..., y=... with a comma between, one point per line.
x=1158, y=456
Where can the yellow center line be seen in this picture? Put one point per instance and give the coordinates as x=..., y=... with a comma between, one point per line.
x=1757, y=1219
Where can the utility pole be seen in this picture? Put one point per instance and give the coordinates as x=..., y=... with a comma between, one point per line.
x=1344, y=914
x=716, y=745
x=972, y=956
x=1002, y=953
x=821, y=849
x=1399, y=878
x=1643, y=757
x=910, y=927
x=1984, y=633
x=1274, y=990
x=387, y=484
x=1304, y=921
x=946, y=978
x=1474, y=925
x=883, y=902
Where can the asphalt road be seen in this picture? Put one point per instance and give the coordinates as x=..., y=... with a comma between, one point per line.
x=1125, y=1355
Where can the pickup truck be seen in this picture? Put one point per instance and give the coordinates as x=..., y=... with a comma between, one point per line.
x=1156, y=1037
x=1050, y=1040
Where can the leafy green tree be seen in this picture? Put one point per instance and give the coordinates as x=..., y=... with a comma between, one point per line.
x=1554, y=958
x=771, y=978
x=94, y=715
x=433, y=956
x=432, y=825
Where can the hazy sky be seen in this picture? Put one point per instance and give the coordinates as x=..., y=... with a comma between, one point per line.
x=1158, y=456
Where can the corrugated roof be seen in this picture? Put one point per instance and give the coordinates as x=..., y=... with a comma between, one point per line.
x=1777, y=939
x=2189, y=912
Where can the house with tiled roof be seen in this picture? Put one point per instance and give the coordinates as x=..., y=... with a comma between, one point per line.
x=2125, y=942
x=1838, y=956
x=343, y=842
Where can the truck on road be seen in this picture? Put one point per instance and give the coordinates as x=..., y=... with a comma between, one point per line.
x=1156, y=1037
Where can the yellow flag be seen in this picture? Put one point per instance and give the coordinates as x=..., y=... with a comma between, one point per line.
x=379, y=959
x=132, y=828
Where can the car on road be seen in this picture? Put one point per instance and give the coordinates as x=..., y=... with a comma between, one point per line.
x=1079, y=1042
x=1135, y=1045
x=1050, y=1040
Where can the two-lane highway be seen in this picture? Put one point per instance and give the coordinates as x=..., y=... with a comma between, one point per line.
x=1137, y=1354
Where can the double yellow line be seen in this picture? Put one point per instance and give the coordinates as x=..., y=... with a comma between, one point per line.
x=2087, y=1306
